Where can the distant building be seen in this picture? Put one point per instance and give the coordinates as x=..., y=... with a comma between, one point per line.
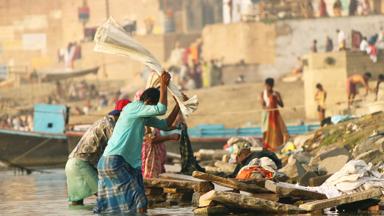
x=37, y=35
x=247, y=10
x=271, y=49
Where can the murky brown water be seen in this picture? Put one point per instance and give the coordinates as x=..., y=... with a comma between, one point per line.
x=45, y=194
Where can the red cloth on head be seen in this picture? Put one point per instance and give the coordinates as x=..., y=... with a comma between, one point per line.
x=120, y=104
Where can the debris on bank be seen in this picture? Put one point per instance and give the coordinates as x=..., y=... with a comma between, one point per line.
x=337, y=168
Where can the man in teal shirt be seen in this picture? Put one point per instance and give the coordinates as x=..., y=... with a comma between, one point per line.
x=120, y=186
x=130, y=130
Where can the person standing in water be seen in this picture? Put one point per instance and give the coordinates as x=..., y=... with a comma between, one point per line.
x=121, y=186
x=275, y=132
x=80, y=168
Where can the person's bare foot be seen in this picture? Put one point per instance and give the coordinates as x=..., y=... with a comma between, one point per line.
x=76, y=203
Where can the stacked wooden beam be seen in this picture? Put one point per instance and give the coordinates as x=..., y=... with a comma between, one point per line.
x=236, y=196
x=272, y=198
x=174, y=189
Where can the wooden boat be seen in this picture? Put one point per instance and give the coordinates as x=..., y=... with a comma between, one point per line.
x=45, y=146
x=33, y=148
x=56, y=75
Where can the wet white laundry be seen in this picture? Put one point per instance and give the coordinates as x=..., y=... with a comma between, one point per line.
x=354, y=177
x=113, y=39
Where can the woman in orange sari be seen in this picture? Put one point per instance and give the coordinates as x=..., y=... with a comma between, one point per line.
x=275, y=132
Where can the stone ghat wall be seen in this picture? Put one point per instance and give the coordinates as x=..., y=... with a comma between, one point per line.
x=276, y=46
x=332, y=70
x=252, y=43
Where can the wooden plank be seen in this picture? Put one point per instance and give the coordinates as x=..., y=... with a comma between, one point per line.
x=204, y=186
x=214, y=170
x=267, y=196
x=317, y=181
x=176, y=190
x=153, y=191
x=247, y=202
x=347, y=198
x=288, y=190
x=185, y=197
x=176, y=176
x=167, y=183
x=206, y=199
x=225, y=167
x=231, y=183
x=211, y=210
x=271, y=186
x=156, y=198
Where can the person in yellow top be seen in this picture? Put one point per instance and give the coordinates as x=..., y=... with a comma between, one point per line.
x=320, y=97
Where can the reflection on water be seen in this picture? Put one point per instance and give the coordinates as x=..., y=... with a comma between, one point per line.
x=45, y=194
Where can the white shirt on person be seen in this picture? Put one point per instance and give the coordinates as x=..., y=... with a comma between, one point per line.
x=363, y=45
x=341, y=37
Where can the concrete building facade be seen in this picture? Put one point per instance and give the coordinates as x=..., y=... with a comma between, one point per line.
x=332, y=70
x=273, y=48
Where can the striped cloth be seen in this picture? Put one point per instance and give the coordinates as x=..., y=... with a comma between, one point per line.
x=120, y=187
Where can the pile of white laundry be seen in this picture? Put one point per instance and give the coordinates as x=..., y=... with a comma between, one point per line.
x=355, y=176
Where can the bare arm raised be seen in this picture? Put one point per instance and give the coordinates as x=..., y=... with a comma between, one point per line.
x=279, y=99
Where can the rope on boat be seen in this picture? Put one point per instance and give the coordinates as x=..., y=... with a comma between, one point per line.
x=31, y=150
x=23, y=168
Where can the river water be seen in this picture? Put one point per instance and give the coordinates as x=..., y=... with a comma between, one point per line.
x=45, y=194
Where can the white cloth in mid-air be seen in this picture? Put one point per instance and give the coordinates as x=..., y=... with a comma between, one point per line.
x=112, y=38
